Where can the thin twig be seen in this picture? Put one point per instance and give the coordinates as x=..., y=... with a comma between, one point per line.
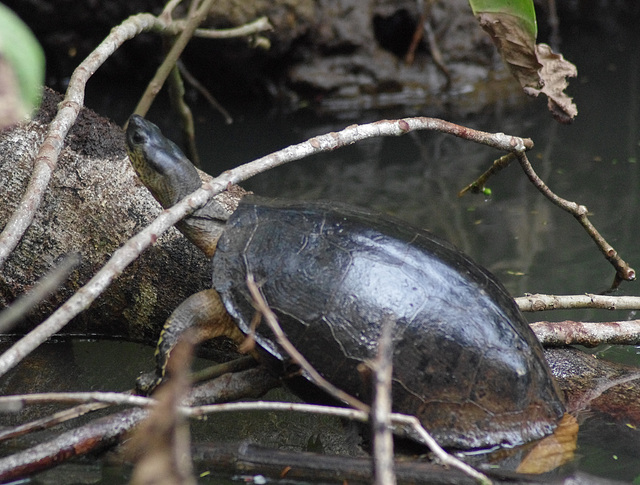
x=214, y=371
x=444, y=457
x=260, y=25
x=198, y=411
x=383, y=463
x=436, y=54
x=16, y=403
x=51, y=420
x=45, y=286
x=418, y=33
x=170, y=6
x=478, y=185
x=623, y=270
x=107, y=430
x=132, y=249
x=154, y=86
x=197, y=85
x=176, y=96
x=46, y=160
x=315, y=377
x=397, y=419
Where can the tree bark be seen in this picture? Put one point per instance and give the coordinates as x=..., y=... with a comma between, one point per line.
x=93, y=205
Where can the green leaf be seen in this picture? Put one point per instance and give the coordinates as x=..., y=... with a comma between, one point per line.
x=21, y=69
x=523, y=10
x=512, y=27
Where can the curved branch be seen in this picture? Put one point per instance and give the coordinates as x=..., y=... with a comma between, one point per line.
x=47, y=157
x=623, y=270
x=154, y=86
x=260, y=25
x=270, y=318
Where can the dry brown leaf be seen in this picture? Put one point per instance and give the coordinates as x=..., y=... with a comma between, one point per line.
x=515, y=45
x=554, y=450
x=554, y=73
x=536, y=67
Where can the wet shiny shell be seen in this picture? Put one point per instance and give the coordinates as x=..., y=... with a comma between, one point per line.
x=465, y=360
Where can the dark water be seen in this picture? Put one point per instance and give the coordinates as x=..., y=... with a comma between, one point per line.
x=531, y=245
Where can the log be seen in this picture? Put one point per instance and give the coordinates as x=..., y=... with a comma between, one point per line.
x=93, y=204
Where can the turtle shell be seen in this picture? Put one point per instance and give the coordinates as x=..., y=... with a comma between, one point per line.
x=465, y=361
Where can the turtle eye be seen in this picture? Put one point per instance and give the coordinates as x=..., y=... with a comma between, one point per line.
x=137, y=138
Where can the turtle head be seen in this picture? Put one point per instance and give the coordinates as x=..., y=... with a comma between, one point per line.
x=170, y=176
x=159, y=163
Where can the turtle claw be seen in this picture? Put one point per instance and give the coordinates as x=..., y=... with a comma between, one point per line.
x=146, y=383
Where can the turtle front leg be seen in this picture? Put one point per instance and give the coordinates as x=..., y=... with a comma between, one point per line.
x=203, y=314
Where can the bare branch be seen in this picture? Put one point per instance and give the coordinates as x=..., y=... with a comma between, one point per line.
x=45, y=286
x=589, y=334
x=16, y=403
x=478, y=185
x=106, y=430
x=538, y=302
x=260, y=25
x=397, y=419
x=154, y=86
x=315, y=377
x=215, y=104
x=51, y=420
x=399, y=127
x=446, y=459
x=197, y=411
x=161, y=444
x=181, y=107
x=383, y=465
x=47, y=157
x=623, y=270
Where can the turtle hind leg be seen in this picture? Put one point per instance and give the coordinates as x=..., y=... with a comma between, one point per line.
x=205, y=317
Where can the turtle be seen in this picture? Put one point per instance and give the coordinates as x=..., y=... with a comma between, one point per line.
x=465, y=361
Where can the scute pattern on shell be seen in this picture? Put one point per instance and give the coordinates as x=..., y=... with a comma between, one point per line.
x=465, y=360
